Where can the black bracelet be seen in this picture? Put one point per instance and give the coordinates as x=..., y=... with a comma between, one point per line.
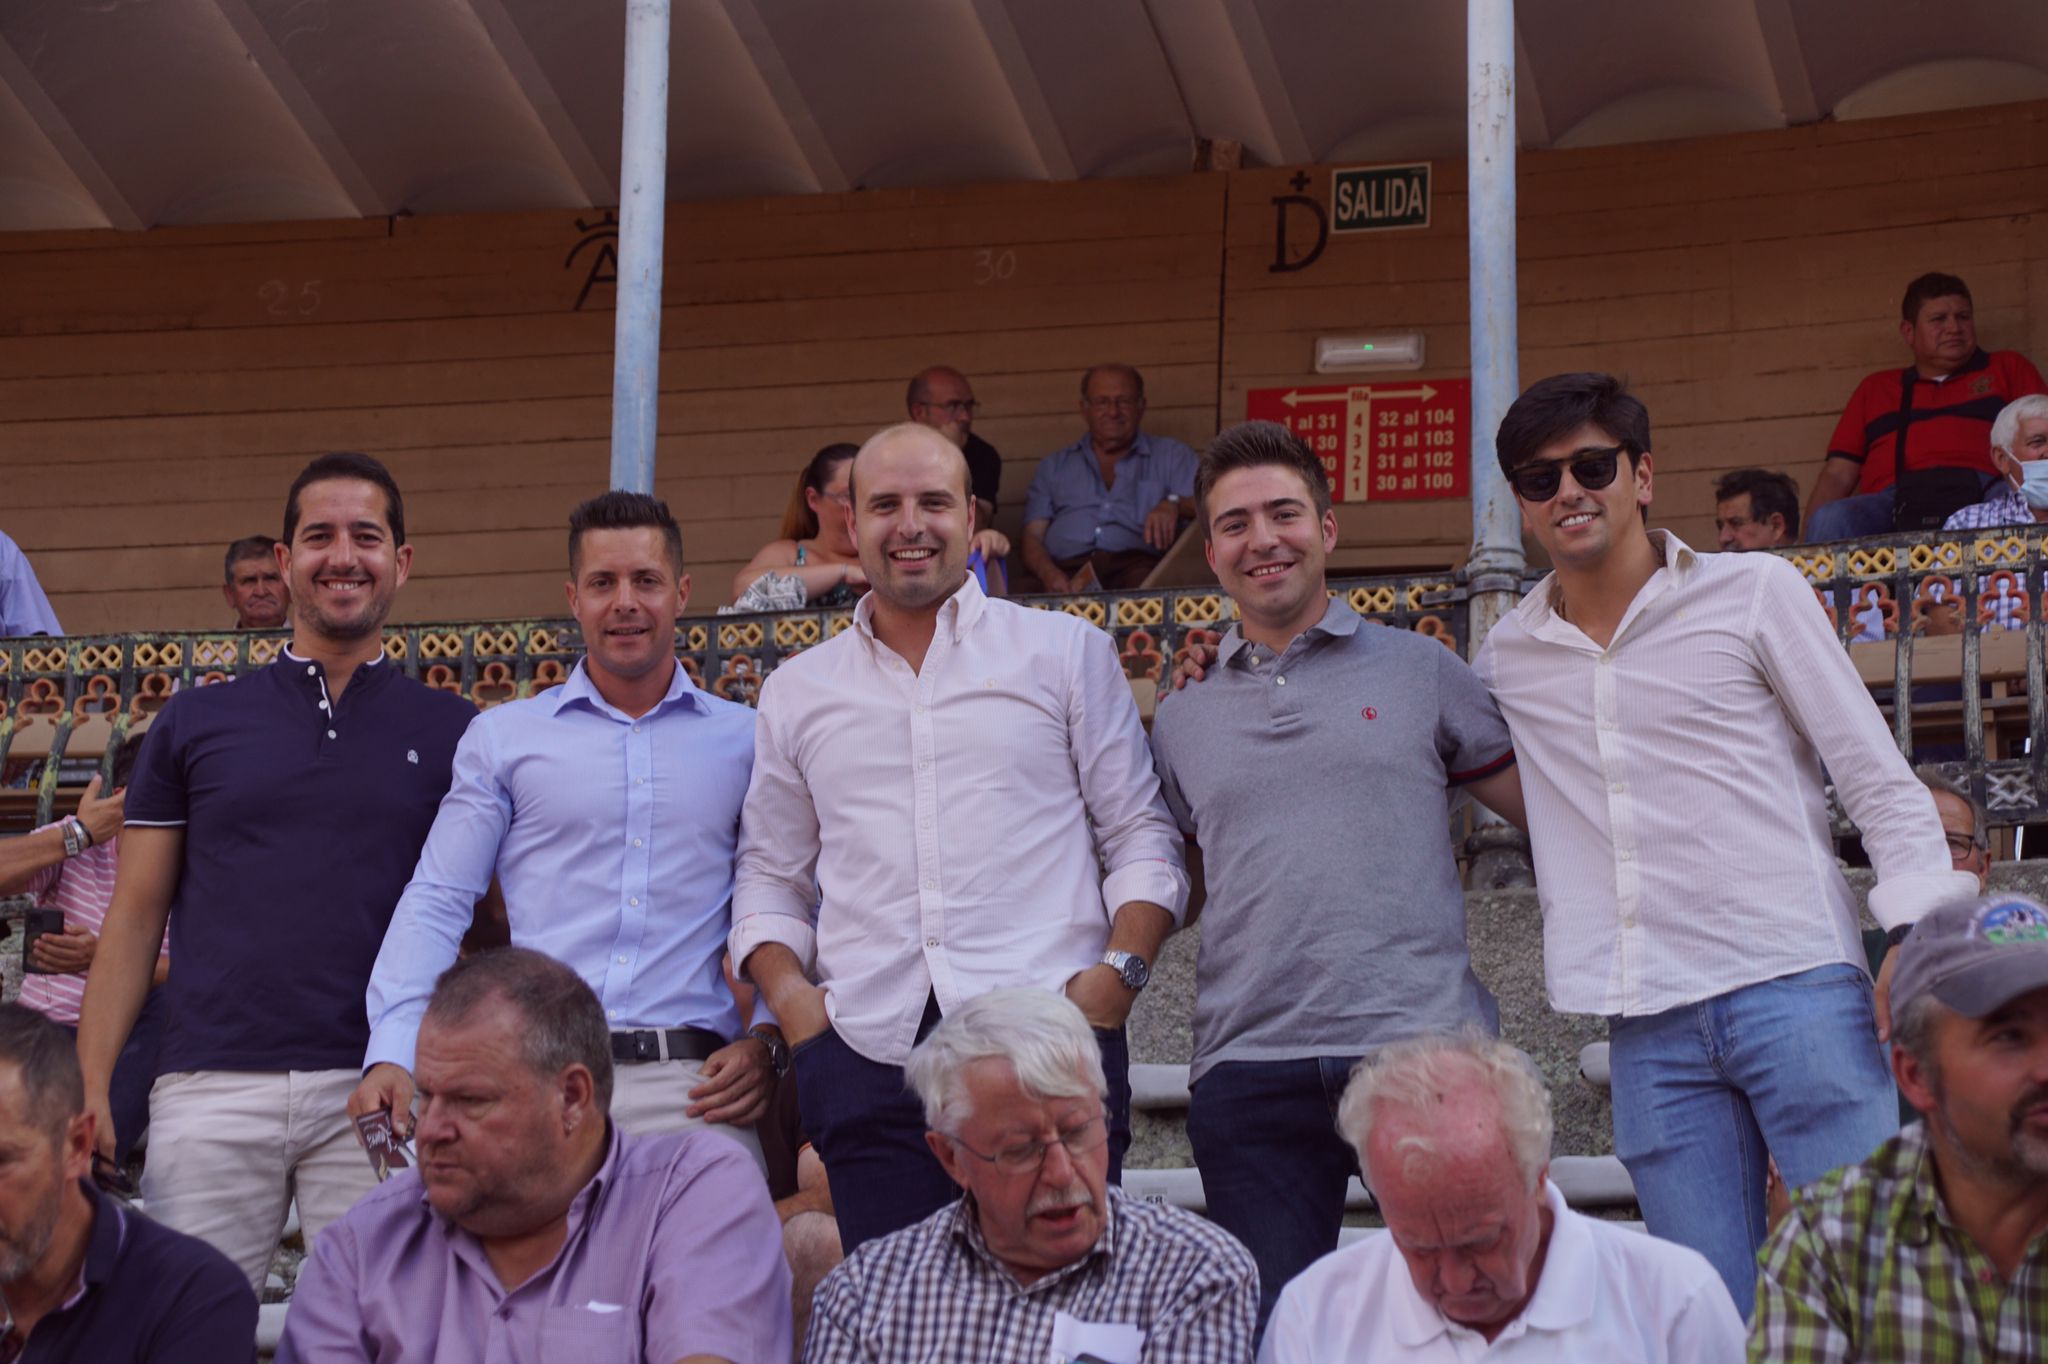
x=1893, y=937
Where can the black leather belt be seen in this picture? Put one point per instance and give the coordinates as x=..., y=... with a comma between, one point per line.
x=675, y=1044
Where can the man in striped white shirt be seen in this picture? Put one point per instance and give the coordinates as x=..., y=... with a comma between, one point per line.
x=1672, y=712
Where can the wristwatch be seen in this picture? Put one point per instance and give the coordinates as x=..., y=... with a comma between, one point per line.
x=1131, y=969
x=778, y=1050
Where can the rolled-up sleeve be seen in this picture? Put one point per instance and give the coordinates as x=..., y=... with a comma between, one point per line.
x=454, y=871
x=1820, y=689
x=1140, y=842
x=775, y=889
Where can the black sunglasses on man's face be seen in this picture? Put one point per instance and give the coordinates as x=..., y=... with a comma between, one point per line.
x=1592, y=468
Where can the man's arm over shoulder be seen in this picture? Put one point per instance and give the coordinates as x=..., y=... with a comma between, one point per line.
x=775, y=880
x=719, y=1285
x=325, y=1323
x=1802, y=1312
x=1141, y=843
x=1819, y=687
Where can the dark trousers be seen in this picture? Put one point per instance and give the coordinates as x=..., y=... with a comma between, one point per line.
x=868, y=1128
x=1273, y=1167
x=134, y=1073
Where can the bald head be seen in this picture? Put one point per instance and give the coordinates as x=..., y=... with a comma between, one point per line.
x=904, y=439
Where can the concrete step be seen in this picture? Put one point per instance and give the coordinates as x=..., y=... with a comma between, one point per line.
x=1587, y=1182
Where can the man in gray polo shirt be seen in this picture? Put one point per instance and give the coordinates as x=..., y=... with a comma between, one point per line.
x=1316, y=766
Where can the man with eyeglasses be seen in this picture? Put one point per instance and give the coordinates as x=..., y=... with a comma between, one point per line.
x=1041, y=1258
x=1672, y=712
x=1102, y=511
x=940, y=397
x=1963, y=824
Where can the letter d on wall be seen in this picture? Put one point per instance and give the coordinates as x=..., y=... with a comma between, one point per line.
x=1281, y=264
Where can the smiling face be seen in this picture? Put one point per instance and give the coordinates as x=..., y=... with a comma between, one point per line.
x=1113, y=406
x=912, y=516
x=626, y=596
x=1268, y=546
x=342, y=563
x=1579, y=526
x=1943, y=336
x=255, y=591
x=1039, y=1220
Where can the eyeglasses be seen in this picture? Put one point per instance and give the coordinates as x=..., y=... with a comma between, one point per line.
x=1961, y=847
x=1025, y=1157
x=1115, y=404
x=1592, y=469
x=959, y=407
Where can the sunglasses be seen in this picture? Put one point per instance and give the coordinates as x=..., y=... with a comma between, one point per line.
x=1592, y=469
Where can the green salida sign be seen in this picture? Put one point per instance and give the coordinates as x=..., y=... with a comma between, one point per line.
x=1375, y=198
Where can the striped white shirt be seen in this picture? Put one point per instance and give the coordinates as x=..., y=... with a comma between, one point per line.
x=1677, y=803
x=83, y=887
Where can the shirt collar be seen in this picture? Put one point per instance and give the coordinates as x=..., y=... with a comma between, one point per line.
x=1978, y=360
x=1564, y=1295
x=957, y=613
x=109, y=1230
x=285, y=655
x=1338, y=620
x=1918, y=1211
x=579, y=687
x=1540, y=606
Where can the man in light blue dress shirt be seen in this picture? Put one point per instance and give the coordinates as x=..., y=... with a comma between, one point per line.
x=24, y=610
x=608, y=808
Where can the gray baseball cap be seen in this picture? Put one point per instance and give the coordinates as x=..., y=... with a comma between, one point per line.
x=1975, y=955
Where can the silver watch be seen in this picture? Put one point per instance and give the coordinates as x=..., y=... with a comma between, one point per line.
x=1132, y=969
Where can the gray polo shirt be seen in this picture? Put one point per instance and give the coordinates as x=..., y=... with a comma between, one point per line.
x=1319, y=786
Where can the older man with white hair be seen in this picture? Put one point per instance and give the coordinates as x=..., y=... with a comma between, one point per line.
x=1481, y=1255
x=1041, y=1258
x=2019, y=451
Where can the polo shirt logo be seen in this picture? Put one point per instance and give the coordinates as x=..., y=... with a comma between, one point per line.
x=412, y=755
x=1369, y=713
x=1980, y=385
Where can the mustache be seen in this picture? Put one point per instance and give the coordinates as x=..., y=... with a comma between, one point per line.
x=2034, y=1098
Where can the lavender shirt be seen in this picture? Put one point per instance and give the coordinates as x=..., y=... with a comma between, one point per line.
x=673, y=1250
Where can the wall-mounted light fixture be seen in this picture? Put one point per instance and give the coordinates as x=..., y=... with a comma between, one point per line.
x=1346, y=354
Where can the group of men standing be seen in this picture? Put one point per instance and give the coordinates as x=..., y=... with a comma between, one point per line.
x=952, y=801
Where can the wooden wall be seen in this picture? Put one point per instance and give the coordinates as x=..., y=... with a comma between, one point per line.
x=158, y=391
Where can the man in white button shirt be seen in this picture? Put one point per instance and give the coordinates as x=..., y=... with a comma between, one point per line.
x=931, y=790
x=1481, y=1257
x=1672, y=712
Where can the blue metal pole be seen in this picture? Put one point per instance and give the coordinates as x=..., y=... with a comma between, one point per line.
x=643, y=183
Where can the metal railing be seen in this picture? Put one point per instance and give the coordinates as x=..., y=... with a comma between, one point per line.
x=1937, y=619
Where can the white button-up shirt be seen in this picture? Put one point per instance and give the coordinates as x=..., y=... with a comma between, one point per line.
x=1605, y=1293
x=1677, y=806
x=913, y=833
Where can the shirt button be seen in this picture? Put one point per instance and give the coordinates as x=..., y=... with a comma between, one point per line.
x=931, y=885
x=330, y=734
x=923, y=763
x=612, y=1014
x=636, y=842
x=633, y=900
x=311, y=670
x=1629, y=921
x=636, y=729
x=325, y=706
x=924, y=824
x=1626, y=855
x=1280, y=681
x=931, y=942
x=622, y=961
x=1617, y=788
x=639, y=781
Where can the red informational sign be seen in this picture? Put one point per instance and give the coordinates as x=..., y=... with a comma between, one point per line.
x=1393, y=440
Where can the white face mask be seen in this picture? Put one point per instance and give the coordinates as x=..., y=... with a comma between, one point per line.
x=2033, y=483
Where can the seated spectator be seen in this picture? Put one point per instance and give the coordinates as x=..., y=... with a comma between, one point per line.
x=814, y=563
x=1910, y=447
x=1042, y=1259
x=1756, y=509
x=1936, y=1247
x=2019, y=451
x=72, y=873
x=1102, y=511
x=534, y=1229
x=255, y=588
x=1481, y=1255
x=24, y=610
x=1964, y=822
x=940, y=397
x=84, y=1278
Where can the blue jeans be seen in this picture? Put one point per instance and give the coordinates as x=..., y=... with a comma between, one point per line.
x=1705, y=1093
x=1273, y=1167
x=869, y=1129
x=1851, y=518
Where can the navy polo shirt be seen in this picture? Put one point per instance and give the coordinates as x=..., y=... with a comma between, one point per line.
x=150, y=1296
x=302, y=826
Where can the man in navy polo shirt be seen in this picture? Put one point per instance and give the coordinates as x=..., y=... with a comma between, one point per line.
x=82, y=1277
x=281, y=816
x=1335, y=924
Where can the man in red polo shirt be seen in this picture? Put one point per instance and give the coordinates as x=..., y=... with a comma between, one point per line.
x=1913, y=445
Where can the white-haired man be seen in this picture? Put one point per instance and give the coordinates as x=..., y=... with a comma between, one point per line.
x=2019, y=451
x=1041, y=1258
x=1481, y=1254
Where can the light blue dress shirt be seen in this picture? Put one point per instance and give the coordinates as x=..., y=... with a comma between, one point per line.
x=24, y=610
x=1086, y=516
x=614, y=840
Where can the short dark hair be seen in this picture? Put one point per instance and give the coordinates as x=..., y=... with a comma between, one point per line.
x=561, y=1022
x=48, y=1061
x=920, y=390
x=1770, y=492
x=1088, y=377
x=1933, y=284
x=248, y=547
x=621, y=510
x=347, y=464
x=1251, y=445
x=1551, y=409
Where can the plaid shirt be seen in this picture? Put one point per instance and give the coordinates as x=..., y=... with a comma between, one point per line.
x=1868, y=1266
x=2002, y=508
x=934, y=1292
